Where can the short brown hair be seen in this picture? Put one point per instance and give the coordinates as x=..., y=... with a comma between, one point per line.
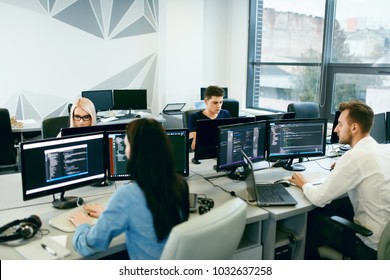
x=213, y=91
x=359, y=112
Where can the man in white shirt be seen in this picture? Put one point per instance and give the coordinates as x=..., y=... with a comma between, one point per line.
x=362, y=173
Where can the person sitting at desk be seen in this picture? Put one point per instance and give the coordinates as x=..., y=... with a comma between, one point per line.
x=145, y=209
x=82, y=113
x=363, y=174
x=213, y=97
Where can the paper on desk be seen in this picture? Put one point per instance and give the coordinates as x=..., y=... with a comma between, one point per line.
x=27, y=121
x=34, y=250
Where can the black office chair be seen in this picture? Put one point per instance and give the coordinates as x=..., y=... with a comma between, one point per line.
x=350, y=229
x=8, y=152
x=52, y=126
x=304, y=110
x=232, y=105
x=186, y=116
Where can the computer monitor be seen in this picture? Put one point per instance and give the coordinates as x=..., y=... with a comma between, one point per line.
x=207, y=137
x=67, y=131
x=56, y=165
x=248, y=137
x=102, y=99
x=130, y=99
x=117, y=160
x=276, y=116
x=203, y=89
x=388, y=127
x=297, y=138
x=179, y=140
x=378, y=130
x=334, y=138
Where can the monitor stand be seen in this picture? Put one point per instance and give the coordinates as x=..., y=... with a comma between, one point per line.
x=103, y=183
x=66, y=202
x=293, y=167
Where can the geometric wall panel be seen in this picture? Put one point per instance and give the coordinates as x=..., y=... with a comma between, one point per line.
x=106, y=19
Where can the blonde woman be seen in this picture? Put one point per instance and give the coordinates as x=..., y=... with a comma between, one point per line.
x=82, y=113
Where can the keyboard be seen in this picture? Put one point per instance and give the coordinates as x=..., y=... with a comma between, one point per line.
x=62, y=222
x=268, y=193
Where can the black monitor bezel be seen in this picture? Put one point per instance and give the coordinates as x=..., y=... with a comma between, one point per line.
x=234, y=165
x=204, y=126
x=291, y=156
x=119, y=105
x=109, y=105
x=71, y=140
x=378, y=130
x=184, y=173
x=276, y=116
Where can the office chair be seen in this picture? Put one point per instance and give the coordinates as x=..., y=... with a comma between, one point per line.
x=52, y=126
x=214, y=235
x=186, y=116
x=304, y=110
x=350, y=229
x=8, y=152
x=232, y=105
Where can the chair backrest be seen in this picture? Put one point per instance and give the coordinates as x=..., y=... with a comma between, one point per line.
x=304, y=110
x=51, y=127
x=384, y=244
x=7, y=149
x=186, y=116
x=232, y=105
x=214, y=235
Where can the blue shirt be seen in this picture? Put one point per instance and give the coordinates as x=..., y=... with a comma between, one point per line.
x=193, y=119
x=128, y=213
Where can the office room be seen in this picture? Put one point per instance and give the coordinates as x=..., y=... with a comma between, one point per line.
x=52, y=51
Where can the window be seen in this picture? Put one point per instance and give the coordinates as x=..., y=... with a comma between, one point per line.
x=297, y=52
x=285, y=52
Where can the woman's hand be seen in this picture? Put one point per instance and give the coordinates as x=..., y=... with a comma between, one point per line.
x=93, y=210
x=79, y=218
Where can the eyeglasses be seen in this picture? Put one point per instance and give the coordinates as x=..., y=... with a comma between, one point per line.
x=85, y=118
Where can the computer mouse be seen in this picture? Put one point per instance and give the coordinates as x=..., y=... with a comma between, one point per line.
x=285, y=182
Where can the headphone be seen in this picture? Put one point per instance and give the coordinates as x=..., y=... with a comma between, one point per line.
x=205, y=205
x=25, y=229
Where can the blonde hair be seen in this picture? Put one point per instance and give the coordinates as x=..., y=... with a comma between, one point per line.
x=86, y=105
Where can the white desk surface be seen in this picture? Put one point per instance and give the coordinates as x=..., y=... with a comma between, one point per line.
x=13, y=207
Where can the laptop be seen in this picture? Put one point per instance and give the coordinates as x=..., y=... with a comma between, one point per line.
x=265, y=194
x=174, y=108
x=199, y=105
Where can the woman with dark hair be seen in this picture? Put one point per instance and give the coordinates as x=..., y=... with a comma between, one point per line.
x=147, y=208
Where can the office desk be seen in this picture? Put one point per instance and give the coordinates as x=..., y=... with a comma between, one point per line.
x=283, y=222
x=28, y=127
x=265, y=227
x=13, y=207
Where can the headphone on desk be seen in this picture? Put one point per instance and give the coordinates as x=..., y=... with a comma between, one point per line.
x=205, y=205
x=25, y=229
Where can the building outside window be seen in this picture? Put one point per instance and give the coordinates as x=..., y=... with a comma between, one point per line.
x=325, y=51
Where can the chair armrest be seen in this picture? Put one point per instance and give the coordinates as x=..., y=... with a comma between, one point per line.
x=351, y=226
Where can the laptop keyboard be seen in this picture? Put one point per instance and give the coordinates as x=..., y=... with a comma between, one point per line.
x=268, y=193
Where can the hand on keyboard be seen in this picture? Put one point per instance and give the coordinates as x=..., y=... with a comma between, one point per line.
x=79, y=217
x=94, y=210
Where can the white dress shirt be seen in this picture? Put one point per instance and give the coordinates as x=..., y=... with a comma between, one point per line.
x=363, y=173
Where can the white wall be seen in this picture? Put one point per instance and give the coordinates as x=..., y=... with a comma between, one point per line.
x=198, y=42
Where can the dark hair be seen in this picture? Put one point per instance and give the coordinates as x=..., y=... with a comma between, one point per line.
x=152, y=166
x=213, y=91
x=359, y=112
